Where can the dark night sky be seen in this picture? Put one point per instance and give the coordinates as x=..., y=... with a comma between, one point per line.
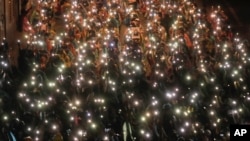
x=238, y=12
x=242, y=9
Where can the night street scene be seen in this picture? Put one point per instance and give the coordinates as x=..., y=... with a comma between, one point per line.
x=123, y=70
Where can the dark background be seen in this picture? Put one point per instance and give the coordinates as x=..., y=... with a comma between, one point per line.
x=238, y=12
x=242, y=9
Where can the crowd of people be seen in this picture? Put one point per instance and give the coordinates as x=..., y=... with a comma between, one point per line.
x=126, y=70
